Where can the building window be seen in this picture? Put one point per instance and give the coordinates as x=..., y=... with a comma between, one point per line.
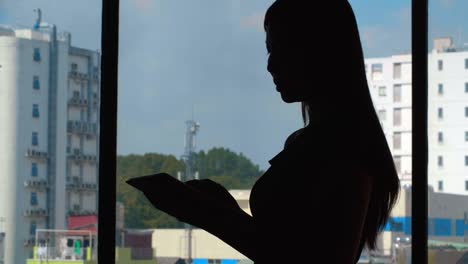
x=397, y=71
x=34, y=171
x=32, y=228
x=74, y=67
x=382, y=114
x=34, y=198
x=34, y=139
x=440, y=113
x=466, y=185
x=397, y=140
x=466, y=87
x=466, y=111
x=466, y=160
x=440, y=89
x=466, y=136
x=377, y=70
x=36, y=84
x=382, y=91
x=37, y=54
x=440, y=161
x=440, y=65
x=35, y=111
x=466, y=63
x=440, y=137
x=397, y=116
x=397, y=161
x=441, y=185
x=397, y=93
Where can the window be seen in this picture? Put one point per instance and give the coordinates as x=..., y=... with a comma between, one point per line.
x=382, y=91
x=466, y=185
x=466, y=87
x=397, y=71
x=36, y=84
x=440, y=137
x=382, y=114
x=397, y=140
x=440, y=161
x=34, y=171
x=440, y=89
x=466, y=111
x=37, y=55
x=377, y=67
x=74, y=67
x=397, y=93
x=377, y=70
x=33, y=200
x=440, y=65
x=466, y=160
x=397, y=116
x=35, y=111
x=466, y=63
x=32, y=228
x=397, y=161
x=69, y=143
x=466, y=136
x=214, y=261
x=34, y=139
x=440, y=113
x=440, y=186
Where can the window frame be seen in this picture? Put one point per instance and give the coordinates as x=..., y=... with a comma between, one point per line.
x=108, y=127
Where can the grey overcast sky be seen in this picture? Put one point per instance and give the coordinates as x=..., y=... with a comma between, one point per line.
x=207, y=58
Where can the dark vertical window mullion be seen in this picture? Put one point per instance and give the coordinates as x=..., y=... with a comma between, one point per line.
x=108, y=131
x=420, y=134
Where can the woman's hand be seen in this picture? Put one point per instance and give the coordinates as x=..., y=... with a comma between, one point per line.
x=190, y=202
x=214, y=191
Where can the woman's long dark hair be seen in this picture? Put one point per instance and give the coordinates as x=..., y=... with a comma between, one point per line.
x=335, y=38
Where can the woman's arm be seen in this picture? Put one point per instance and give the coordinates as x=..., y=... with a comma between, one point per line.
x=204, y=204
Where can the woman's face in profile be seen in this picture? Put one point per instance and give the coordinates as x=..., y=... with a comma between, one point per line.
x=286, y=64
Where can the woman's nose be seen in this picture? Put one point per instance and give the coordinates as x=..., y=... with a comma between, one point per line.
x=270, y=66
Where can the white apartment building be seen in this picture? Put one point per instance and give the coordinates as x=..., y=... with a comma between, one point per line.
x=49, y=115
x=389, y=81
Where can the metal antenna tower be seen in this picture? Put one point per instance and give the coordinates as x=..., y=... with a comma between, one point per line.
x=188, y=158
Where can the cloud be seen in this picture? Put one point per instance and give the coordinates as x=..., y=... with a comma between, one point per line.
x=447, y=3
x=254, y=21
x=143, y=5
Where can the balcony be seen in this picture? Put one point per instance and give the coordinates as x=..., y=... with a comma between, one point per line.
x=36, y=184
x=78, y=185
x=78, y=102
x=36, y=212
x=78, y=76
x=36, y=154
x=80, y=127
x=77, y=155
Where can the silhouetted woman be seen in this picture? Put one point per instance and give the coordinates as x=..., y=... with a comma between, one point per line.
x=329, y=192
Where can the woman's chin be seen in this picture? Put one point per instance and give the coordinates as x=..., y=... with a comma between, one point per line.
x=287, y=98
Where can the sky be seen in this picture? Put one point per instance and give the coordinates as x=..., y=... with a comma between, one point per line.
x=207, y=59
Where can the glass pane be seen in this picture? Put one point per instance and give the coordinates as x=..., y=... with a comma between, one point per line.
x=49, y=115
x=385, y=30
x=195, y=96
x=448, y=126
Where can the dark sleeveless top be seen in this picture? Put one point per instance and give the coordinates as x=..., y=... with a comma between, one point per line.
x=283, y=207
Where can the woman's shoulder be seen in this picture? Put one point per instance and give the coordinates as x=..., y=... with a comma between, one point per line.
x=293, y=136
